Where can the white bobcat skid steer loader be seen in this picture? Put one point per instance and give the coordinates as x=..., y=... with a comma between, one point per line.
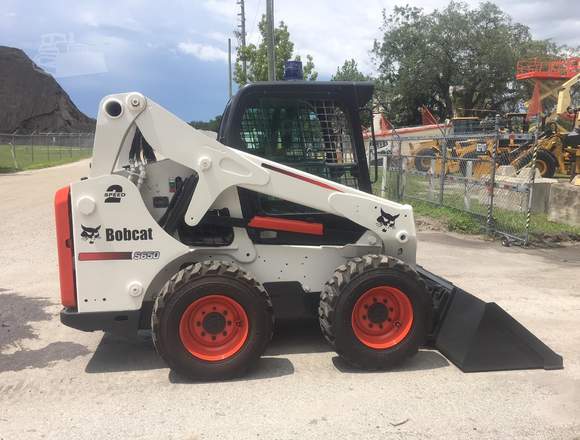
x=162, y=235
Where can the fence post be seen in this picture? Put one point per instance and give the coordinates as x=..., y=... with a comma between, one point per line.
x=531, y=191
x=47, y=148
x=443, y=172
x=402, y=169
x=385, y=168
x=32, y=148
x=13, y=151
x=489, y=223
x=400, y=172
x=468, y=174
x=432, y=168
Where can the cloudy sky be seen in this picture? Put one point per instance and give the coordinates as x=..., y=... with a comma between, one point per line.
x=175, y=51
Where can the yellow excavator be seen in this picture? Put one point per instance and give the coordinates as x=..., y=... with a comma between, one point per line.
x=559, y=139
x=555, y=101
x=558, y=142
x=477, y=147
x=425, y=151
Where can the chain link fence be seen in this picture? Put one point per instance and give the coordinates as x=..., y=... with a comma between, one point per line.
x=20, y=152
x=481, y=174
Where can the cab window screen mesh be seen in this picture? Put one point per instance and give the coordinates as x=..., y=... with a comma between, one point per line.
x=311, y=135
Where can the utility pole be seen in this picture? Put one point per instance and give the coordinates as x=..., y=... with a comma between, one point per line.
x=230, y=67
x=242, y=16
x=270, y=37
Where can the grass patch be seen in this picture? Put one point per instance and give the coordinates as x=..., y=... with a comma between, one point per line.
x=417, y=193
x=39, y=156
x=453, y=216
x=540, y=226
x=452, y=219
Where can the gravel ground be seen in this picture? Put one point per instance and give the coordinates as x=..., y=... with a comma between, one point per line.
x=57, y=383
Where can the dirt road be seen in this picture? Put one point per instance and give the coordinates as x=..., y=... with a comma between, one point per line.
x=58, y=383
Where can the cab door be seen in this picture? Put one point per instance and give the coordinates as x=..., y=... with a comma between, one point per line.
x=313, y=128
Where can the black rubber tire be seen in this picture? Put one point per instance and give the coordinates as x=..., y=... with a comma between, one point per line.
x=340, y=294
x=192, y=283
x=544, y=156
x=546, y=163
x=420, y=164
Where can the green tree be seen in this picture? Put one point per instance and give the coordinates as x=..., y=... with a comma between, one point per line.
x=257, y=57
x=451, y=60
x=211, y=125
x=349, y=72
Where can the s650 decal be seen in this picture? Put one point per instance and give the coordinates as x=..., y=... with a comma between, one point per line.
x=124, y=255
x=146, y=255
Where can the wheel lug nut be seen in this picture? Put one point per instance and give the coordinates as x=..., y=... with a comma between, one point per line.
x=213, y=338
x=390, y=309
x=229, y=322
x=203, y=333
x=397, y=324
x=225, y=333
x=365, y=317
x=198, y=324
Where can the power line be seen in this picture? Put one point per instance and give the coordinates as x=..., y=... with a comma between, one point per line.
x=256, y=17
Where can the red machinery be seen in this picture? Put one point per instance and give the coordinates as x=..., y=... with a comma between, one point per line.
x=547, y=76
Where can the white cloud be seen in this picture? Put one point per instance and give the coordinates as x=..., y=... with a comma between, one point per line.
x=218, y=36
x=205, y=52
x=333, y=31
x=224, y=9
x=134, y=39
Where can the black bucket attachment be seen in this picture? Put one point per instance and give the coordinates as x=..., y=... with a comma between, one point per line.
x=480, y=336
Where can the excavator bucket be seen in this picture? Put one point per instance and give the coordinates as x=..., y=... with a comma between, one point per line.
x=479, y=336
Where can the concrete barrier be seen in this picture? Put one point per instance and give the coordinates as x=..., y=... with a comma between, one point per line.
x=511, y=191
x=564, y=204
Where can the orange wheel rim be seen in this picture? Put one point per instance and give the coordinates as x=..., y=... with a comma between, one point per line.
x=382, y=317
x=214, y=328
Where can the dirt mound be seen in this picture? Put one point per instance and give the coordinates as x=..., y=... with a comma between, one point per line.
x=32, y=100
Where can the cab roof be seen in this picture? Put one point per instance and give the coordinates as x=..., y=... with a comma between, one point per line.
x=359, y=91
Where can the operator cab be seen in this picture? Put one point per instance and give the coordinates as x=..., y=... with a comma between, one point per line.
x=465, y=125
x=311, y=126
